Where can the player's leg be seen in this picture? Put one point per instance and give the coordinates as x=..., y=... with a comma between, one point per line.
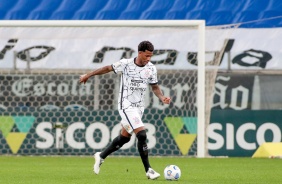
x=116, y=144
x=142, y=146
x=143, y=151
x=131, y=122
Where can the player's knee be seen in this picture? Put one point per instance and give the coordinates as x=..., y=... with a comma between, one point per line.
x=142, y=136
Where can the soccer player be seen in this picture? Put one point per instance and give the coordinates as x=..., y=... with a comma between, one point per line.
x=137, y=73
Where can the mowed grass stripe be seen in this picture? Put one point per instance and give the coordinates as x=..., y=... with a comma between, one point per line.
x=65, y=169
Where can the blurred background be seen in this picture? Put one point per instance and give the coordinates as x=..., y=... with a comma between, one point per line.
x=44, y=110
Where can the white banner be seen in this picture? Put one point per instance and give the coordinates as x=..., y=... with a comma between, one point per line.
x=89, y=48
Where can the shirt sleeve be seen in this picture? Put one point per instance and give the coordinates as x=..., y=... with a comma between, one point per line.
x=119, y=66
x=153, y=78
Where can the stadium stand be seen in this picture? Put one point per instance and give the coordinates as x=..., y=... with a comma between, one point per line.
x=207, y=5
x=251, y=5
x=157, y=10
x=67, y=9
x=22, y=9
x=198, y=14
x=274, y=5
x=180, y=9
x=44, y=10
x=271, y=22
x=231, y=6
x=215, y=12
x=5, y=7
x=220, y=17
x=135, y=9
x=89, y=10
x=247, y=16
x=112, y=10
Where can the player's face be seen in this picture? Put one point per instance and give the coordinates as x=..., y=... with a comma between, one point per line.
x=145, y=57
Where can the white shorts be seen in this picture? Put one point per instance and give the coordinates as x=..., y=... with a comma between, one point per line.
x=131, y=119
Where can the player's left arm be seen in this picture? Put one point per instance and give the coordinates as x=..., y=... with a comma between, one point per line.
x=157, y=91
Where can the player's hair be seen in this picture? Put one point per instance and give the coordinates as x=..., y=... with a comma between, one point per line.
x=145, y=45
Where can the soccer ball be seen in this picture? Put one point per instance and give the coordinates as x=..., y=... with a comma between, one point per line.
x=172, y=172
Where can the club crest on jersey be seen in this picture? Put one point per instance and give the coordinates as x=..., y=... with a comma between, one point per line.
x=147, y=73
x=136, y=120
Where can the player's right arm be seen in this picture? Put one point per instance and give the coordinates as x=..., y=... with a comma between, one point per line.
x=106, y=69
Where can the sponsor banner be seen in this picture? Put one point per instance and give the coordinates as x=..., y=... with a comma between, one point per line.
x=45, y=91
x=231, y=92
x=234, y=92
x=231, y=133
x=240, y=133
x=63, y=92
x=247, y=92
x=86, y=132
x=87, y=48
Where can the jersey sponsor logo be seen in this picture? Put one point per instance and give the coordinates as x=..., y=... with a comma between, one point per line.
x=137, y=81
x=136, y=105
x=137, y=89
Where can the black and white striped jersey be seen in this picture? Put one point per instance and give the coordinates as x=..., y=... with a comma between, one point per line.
x=134, y=82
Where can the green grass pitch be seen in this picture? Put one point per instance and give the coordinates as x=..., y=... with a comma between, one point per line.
x=65, y=169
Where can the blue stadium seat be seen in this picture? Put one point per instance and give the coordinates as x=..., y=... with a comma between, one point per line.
x=220, y=18
x=5, y=6
x=255, y=5
x=198, y=15
x=247, y=18
x=270, y=18
x=44, y=10
x=279, y=24
x=207, y=5
x=275, y=5
x=232, y=6
x=130, y=15
x=157, y=10
x=135, y=9
x=89, y=10
x=112, y=10
x=179, y=9
x=203, y=10
x=215, y=12
x=66, y=10
x=255, y=10
x=22, y=9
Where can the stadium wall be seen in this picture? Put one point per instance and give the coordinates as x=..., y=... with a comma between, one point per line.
x=250, y=50
x=247, y=87
x=244, y=116
x=249, y=83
